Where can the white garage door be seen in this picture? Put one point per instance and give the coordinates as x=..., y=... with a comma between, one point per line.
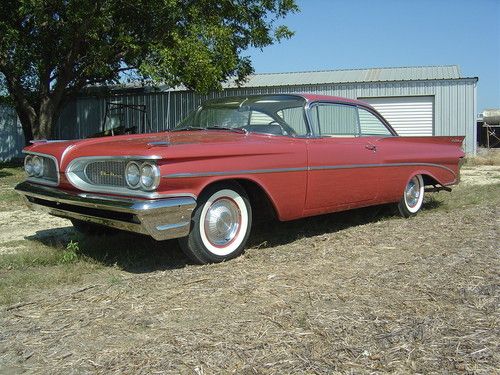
x=410, y=116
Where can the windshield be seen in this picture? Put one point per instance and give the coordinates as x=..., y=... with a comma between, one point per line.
x=269, y=114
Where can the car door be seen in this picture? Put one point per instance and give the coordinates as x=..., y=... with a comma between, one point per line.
x=342, y=166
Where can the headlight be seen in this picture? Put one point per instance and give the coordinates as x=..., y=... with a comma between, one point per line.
x=150, y=176
x=37, y=163
x=28, y=165
x=133, y=175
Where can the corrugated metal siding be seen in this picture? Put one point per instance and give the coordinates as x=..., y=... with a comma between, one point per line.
x=409, y=116
x=352, y=75
x=454, y=103
x=411, y=73
x=11, y=134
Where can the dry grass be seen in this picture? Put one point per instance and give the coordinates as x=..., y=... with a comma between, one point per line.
x=485, y=157
x=10, y=174
x=358, y=292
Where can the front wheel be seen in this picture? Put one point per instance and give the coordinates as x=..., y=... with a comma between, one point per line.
x=220, y=226
x=413, y=197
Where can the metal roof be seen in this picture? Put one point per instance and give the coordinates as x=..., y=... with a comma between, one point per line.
x=410, y=73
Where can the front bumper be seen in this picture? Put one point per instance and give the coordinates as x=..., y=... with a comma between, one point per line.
x=162, y=219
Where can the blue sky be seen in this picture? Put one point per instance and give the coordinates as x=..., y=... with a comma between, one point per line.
x=343, y=34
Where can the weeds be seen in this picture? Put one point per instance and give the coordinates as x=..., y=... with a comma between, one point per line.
x=484, y=157
x=10, y=175
x=70, y=255
x=38, y=266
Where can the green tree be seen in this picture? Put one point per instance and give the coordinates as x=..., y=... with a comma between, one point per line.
x=51, y=49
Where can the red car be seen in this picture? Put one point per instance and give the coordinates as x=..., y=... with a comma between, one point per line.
x=229, y=160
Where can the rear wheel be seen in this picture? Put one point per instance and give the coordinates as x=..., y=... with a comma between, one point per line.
x=220, y=226
x=413, y=197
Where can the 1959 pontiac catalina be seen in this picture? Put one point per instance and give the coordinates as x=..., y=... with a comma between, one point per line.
x=204, y=180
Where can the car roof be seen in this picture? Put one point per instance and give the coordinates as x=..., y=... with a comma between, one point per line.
x=310, y=98
x=330, y=98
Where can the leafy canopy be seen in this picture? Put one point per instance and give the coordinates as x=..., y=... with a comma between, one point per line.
x=51, y=48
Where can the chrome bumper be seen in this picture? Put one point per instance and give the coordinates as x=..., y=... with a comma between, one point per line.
x=162, y=219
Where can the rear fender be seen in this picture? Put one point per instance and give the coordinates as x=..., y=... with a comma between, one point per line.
x=426, y=173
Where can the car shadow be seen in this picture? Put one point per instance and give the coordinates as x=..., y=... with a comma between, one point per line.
x=126, y=251
x=54, y=237
x=5, y=174
x=276, y=233
x=132, y=252
x=140, y=254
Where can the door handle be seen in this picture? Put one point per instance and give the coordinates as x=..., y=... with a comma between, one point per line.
x=371, y=147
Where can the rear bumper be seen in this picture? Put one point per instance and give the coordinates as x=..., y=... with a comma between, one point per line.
x=162, y=219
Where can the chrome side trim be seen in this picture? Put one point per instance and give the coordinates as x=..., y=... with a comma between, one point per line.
x=115, y=157
x=42, y=180
x=161, y=218
x=35, y=141
x=172, y=226
x=299, y=169
x=229, y=173
x=382, y=165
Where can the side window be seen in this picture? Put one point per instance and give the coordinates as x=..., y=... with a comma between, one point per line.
x=222, y=117
x=259, y=118
x=370, y=124
x=294, y=117
x=336, y=120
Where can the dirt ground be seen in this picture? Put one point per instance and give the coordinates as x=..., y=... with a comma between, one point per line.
x=346, y=293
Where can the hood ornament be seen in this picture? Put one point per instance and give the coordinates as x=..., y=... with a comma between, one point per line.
x=158, y=143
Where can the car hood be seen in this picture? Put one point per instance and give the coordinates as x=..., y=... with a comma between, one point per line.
x=147, y=145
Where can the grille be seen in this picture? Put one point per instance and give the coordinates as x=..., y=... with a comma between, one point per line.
x=108, y=173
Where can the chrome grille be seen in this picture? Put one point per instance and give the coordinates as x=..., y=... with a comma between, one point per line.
x=106, y=172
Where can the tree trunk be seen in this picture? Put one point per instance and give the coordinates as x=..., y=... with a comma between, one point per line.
x=37, y=125
x=45, y=124
x=27, y=116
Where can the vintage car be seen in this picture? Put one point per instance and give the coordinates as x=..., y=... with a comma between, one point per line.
x=234, y=159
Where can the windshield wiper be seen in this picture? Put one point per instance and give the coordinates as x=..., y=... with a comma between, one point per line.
x=186, y=128
x=236, y=130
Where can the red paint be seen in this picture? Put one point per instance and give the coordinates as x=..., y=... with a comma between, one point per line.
x=294, y=194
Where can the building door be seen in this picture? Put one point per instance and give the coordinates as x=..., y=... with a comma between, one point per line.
x=409, y=115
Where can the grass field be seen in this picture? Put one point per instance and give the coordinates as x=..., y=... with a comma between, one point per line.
x=357, y=292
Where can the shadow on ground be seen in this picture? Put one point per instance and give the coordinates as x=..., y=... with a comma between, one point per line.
x=141, y=254
x=5, y=174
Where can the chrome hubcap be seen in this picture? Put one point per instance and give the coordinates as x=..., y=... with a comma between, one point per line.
x=222, y=222
x=412, y=193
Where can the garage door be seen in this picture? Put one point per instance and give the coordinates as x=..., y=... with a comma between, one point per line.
x=411, y=116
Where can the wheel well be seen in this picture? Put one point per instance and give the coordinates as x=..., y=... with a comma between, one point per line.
x=429, y=180
x=262, y=206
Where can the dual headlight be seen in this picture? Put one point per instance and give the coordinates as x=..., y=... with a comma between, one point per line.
x=144, y=176
x=33, y=165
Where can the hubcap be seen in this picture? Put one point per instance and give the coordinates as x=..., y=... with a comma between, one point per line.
x=222, y=222
x=412, y=193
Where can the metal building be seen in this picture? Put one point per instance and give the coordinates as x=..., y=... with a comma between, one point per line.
x=11, y=134
x=429, y=100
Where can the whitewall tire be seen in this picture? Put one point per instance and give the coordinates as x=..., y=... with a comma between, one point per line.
x=413, y=197
x=220, y=225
